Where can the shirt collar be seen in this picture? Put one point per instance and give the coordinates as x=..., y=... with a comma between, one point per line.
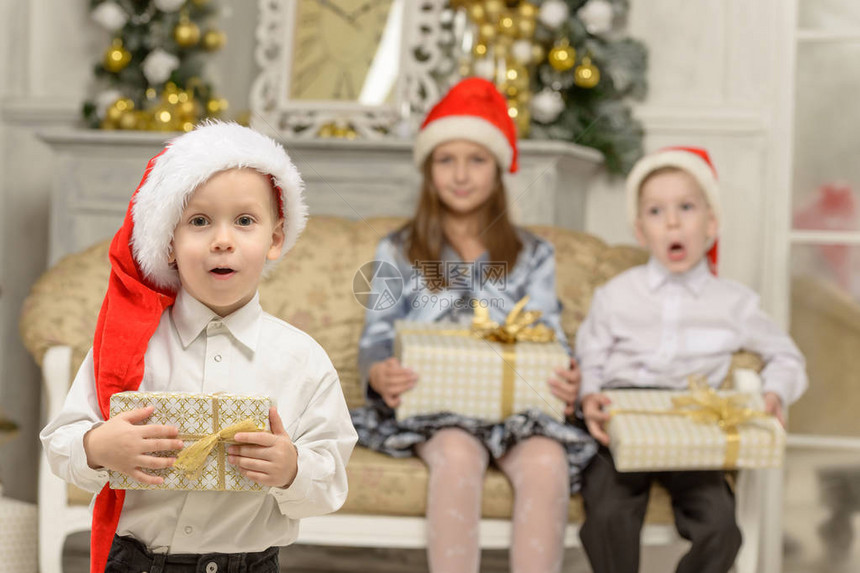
x=191, y=317
x=693, y=280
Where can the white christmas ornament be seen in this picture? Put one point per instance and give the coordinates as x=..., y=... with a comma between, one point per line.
x=546, y=106
x=169, y=5
x=109, y=16
x=485, y=68
x=158, y=66
x=597, y=16
x=104, y=100
x=522, y=51
x=553, y=13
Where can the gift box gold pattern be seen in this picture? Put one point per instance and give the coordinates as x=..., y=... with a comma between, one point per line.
x=661, y=441
x=475, y=377
x=195, y=415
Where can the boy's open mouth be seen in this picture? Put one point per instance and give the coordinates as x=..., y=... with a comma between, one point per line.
x=222, y=271
x=677, y=252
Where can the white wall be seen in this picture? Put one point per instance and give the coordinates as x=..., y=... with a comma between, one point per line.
x=713, y=74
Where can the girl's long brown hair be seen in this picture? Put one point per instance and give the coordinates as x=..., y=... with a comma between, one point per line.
x=426, y=237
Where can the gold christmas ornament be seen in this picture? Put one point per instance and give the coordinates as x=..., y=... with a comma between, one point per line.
x=213, y=40
x=507, y=26
x=538, y=53
x=562, y=57
x=527, y=10
x=186, y=33
x=480, y=49
x=187, y=126
x=477, y=12
x=586, y=75
x=162, y=119
x=116, y=57
x=128, y=120
x=493, y=9
x=518, y=78
x=216, y=106
x=526, y=28
x=486, y=32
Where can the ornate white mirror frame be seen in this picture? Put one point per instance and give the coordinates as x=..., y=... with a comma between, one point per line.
x=413, y=91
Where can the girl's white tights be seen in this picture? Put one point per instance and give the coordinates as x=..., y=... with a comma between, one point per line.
x=537, y=470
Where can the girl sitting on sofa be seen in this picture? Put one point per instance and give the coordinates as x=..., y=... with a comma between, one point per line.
x=460, y=228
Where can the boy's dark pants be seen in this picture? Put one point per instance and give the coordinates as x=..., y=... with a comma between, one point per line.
x=129, y=555
x=615, y=504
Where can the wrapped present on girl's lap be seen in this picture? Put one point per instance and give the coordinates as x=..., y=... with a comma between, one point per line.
x=482, y=377
x=206, y=423
x=699, y=429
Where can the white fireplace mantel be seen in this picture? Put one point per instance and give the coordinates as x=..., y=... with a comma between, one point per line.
x=96, y=172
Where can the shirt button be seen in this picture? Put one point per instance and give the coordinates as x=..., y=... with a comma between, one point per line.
x=188, y=530
x=217, y=358
x=211, y=567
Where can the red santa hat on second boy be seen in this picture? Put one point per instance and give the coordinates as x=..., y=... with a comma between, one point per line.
x=694, y=161
x=142, y=283
x=473, y=110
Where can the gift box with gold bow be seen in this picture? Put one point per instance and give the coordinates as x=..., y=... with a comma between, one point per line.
x=699, y=429
x=206, y=423
x=486, y=371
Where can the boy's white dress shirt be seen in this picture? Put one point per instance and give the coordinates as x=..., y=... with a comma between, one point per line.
x=246, y=352
x=650, y=327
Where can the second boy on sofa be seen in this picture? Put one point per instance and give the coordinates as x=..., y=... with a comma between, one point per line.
x=655, y=325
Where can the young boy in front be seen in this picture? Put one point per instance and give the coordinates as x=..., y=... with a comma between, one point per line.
x=653, y=326
x=182, y=314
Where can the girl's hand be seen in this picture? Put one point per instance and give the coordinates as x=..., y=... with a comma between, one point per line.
x=390, y=380
x=773, y=406
x=123, y=444
x=596, y=416
x=566, y=386
x=268, y=458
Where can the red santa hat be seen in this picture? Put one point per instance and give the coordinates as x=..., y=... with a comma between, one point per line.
x=142, y=283
x=473, y=110
x=694, y=161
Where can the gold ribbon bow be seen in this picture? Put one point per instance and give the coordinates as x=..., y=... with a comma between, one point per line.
x=517, y=327
x=191, y=460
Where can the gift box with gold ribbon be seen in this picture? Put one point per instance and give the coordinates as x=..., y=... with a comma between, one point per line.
x=699, y=429
x=488, y=371
x=206, y=424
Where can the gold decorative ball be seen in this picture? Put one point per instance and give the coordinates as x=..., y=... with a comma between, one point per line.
x=326, y=131
x=187, y=110
x=213, y=40
x=477, y=13
x=128, y=120
x=493, y=8
x=186, y=33
x=562, y=57
x=187, y=126
x=527, y=10
x=586, y=75
x=480, y=49
x=526, y=28
x=507, y=25
x=538, y=53
x=518, y=77
x=216, y=106
x=117, y=57
x=486, y=32
x=163, y=119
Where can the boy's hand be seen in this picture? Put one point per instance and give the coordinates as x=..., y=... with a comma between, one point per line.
x=566, y=386
x=773, y=406
x=390, y=380
x=596, y=416
x=122, y=445
x=268, y=458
